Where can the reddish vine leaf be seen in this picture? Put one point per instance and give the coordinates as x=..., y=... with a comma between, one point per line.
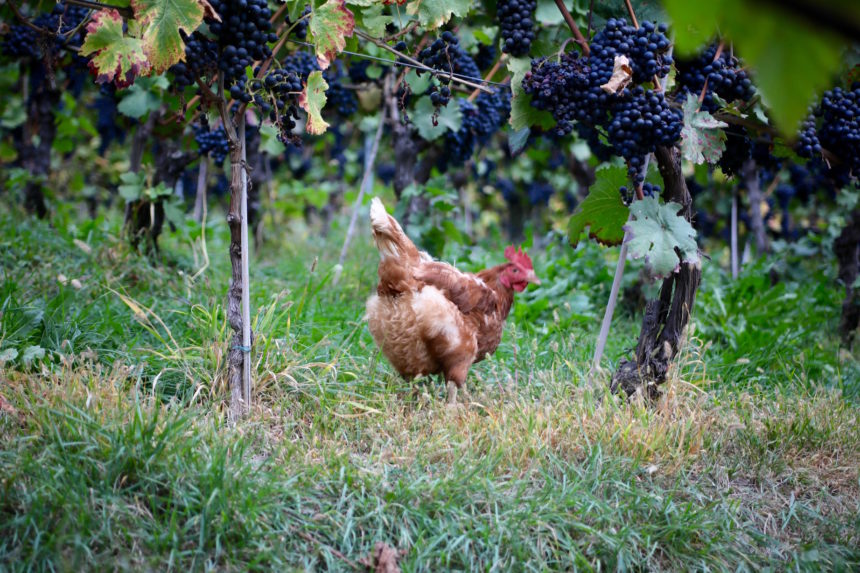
x=115, y=57
x=331, y=24
x=701, y=137
x=160, y=24
x=312, y=100
x=602, y=212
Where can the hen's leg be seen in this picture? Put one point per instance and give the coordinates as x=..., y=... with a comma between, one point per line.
x=456, y=377
x=452, y=393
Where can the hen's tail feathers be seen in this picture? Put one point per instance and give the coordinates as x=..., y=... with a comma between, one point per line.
x=390, y=239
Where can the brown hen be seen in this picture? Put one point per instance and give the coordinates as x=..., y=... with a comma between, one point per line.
x=427, y=317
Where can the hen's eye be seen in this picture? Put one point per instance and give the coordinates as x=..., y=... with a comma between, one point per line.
x=516, y=270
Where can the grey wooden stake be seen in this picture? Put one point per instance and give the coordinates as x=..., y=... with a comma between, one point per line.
x=246, y=281
x=735, y=269
x=613, y=294
x=200, y=198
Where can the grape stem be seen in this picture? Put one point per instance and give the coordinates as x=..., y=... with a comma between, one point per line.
x=571, y=23
x=632, y=13
x=419, y=65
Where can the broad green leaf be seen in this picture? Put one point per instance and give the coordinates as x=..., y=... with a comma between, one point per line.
x=330, y=25
x=548, y=14
x=374, y=21
x=517, y=140
x=790, y=58
x=139, y=101
x=312, y=100
x=8, y=355
x=32, y=353
x=522, y=113
x=702, y=140
x=418, y=84
x=161, y=22
x=450, y=117
x=655, y=234
x=269, y=142
x=115, y=57
x=602, y=211
x=160, y=190
x=434, y=13
x=132, y=186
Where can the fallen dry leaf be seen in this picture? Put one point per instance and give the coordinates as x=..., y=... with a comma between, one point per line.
x=383, y=559
x=622, y=75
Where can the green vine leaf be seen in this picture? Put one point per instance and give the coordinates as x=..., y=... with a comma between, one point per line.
x=660, y=235
x=161, y=22
x=312, y=100
x=435, y=13
x=331, y=24
x=450, y=118
x=790, y=58
x=115, y=57
x=602, y=212
x=702, y=140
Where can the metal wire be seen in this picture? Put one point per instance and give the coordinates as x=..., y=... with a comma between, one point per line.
x=411, y=65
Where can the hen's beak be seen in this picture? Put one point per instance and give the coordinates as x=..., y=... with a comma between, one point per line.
x=532, y=278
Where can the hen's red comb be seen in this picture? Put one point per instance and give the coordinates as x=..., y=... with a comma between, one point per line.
x=519, y=257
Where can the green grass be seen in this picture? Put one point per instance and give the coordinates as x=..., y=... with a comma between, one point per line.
x=115, y=452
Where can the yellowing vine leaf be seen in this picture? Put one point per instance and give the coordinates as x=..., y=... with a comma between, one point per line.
x=160, y=23
x=331, y=24
x=115, y=57
x=312, y=100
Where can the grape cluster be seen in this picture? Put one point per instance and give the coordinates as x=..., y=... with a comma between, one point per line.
x=508, y=190
x=539, y=192
x=446, y=56
x=516, y=21
x=201, y=60
x=738, y=150
x=106, y=116
x=277, y=97
x=357, y=71
x=835, y=126
x=633, y=121
x=723, y=74
x=300, y=30
x=646, y=47
x=641, y=121
x=242, y=35
x=628, y=194
x=212, y=143
x=24, y=42
x=485, y=57
x=481, y=120
x=341, y=99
